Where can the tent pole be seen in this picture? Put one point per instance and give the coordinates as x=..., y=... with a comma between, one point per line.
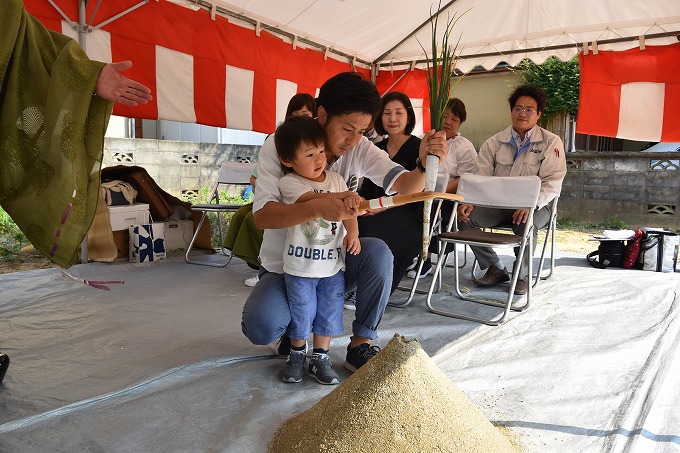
x=81, y=24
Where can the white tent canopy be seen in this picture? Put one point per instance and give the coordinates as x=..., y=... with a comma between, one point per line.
x=490, y=31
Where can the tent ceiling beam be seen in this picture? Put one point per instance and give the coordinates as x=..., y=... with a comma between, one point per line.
x=87, y=27
x=420, y=27
x=117, y=16
x=548, y=48
x=62, y=14
x=278, y=32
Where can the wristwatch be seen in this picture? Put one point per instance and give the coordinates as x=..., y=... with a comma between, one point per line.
x=419, y=165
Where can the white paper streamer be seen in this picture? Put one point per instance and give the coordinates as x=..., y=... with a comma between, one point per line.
x=431, y=170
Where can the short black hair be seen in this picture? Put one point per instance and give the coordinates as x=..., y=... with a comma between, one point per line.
x=294, y=132
x=401, y=97
x=538, y=94
x=458, y=108
x=349, y=92
x=300, y=100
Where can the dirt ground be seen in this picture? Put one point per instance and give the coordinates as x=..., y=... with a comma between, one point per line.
x=566, y=241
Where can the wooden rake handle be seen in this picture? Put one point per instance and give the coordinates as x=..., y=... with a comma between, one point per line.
x=398, y=200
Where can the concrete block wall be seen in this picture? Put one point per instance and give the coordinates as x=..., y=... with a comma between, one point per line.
x=642, y=189
x=180, y=168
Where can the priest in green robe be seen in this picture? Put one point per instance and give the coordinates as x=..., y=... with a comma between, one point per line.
x=55, y=104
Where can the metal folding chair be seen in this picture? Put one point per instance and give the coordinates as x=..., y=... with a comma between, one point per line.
x=231, y=174
x=436, y=227
x=549, y=238
x=499, y=192
x=550, y=231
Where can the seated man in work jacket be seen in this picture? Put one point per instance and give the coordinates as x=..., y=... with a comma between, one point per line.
x=523, y=149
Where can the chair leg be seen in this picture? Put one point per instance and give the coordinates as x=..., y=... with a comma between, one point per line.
x=413, y=290
x=460, y=266
x=507, y=306
x=549, y=235
x=225, y=252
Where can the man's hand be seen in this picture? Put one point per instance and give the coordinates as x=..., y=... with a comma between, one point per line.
x=333, y=209
x=113, y=86
x=433, y=143
x=520, y=216
x=464, y=211
x=372, y=212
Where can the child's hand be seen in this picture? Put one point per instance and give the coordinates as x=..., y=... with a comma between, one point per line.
x=352, y=244
x=352, y=201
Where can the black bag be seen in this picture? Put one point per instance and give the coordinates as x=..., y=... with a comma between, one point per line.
x=608, y=254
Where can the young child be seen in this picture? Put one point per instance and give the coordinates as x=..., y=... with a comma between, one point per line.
x=313, y=259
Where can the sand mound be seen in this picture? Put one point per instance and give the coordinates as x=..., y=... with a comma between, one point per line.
x=399, y=402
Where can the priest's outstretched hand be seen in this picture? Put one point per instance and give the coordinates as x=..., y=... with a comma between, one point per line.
x=113, y=86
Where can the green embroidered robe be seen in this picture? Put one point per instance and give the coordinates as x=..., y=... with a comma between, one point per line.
x=51, y=134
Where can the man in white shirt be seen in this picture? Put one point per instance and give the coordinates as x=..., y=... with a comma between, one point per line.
x=346, y=106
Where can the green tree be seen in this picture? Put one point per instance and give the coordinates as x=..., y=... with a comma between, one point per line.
x=560, y=79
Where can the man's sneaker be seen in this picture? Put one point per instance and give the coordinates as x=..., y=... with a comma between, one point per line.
x=321, y=369
x=294, y=369
x=413, y=264
x=283, y=347
x=4, y=364
x=357, y=357
x=252, y=281
x=424, y=272
x=351, y=301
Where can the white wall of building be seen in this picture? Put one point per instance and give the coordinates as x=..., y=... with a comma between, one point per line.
x=120, y=127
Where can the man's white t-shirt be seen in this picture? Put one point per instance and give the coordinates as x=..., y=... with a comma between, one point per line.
x=313, y=248
x=364, y=160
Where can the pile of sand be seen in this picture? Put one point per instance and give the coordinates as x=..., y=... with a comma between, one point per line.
x=400, y=401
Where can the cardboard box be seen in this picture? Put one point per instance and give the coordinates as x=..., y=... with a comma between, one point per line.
x=178, y=234
x=122, y=216
x=122, y=240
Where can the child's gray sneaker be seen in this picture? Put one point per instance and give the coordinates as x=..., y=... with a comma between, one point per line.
x=321, y=369
x=294, y=369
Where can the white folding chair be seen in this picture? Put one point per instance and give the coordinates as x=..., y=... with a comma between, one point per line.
x=231, y=174
x=549, y=238
x=499, y=192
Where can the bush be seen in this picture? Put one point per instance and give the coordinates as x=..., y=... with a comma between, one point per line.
x=12, y=239
x=229, y=195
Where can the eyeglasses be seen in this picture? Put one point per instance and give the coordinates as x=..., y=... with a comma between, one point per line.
x=520, y=110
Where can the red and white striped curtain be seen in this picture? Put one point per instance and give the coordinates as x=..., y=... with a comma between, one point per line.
x=210, y=71
x=632, y=94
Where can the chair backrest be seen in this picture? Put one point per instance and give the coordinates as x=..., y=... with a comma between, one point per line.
x=504, y=192
x=235, y=173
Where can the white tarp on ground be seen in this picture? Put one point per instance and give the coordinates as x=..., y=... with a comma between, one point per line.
x=160, y=363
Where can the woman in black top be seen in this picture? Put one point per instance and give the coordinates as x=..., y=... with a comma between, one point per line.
x=401, y=227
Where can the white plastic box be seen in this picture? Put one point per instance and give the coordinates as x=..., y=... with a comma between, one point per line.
x=122, y=216
x=178, y=234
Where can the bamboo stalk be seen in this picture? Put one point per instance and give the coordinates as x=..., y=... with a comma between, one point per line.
x=398, y=200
